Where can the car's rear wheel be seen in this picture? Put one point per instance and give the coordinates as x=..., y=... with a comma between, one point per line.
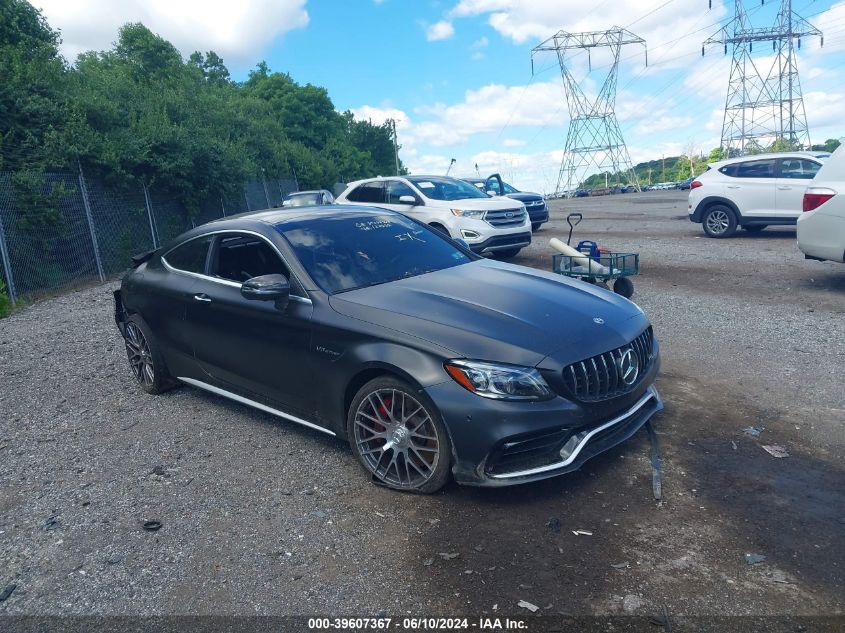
x=506, y=253
x=399, y=437
x=754, y=228
x=719, y=221
x=144, y=356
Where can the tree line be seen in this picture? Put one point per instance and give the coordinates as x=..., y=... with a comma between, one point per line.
x=678, y=168
x=140, y=112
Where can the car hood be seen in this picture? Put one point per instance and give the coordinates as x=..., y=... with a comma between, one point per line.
x=486, y=204
x=491, y=310
x=524, y=196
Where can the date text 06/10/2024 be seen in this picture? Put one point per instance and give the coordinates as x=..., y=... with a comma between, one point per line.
x=418, y=624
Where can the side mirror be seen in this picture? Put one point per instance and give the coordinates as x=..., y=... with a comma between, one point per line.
x=267, y=288
x=407, y=200
x=491, y=192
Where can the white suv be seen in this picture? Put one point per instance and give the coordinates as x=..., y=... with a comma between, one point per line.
x=498, y=226
x=752, y=191
x=821, y=228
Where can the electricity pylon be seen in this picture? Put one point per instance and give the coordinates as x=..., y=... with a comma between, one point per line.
x=764, y=104
x=594, y=140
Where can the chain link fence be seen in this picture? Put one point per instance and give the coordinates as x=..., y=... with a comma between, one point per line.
x=59, y=230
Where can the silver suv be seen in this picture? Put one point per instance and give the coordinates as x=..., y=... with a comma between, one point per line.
x=752, y=191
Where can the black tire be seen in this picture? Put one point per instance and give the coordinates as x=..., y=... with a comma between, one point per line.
x=440, y=228
x=719, y=221
x=507, y=253
x=421, y=466
x=754, y=228
x=145, y=359
x=536, y=226
x=623, y=287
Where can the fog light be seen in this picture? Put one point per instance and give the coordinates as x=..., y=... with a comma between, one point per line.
x=469, y=235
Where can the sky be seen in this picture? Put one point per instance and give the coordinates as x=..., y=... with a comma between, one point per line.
x=457, y=75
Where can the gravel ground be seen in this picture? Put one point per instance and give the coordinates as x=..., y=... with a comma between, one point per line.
x=263, y=517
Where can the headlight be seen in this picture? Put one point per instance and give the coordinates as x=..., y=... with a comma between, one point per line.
x=500, y=382
x=468, y=213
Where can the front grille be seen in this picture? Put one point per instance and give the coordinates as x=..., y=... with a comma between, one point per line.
x=599, y=377
x=505, y=217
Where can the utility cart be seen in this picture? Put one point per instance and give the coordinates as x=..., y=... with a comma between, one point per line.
x=590, y=263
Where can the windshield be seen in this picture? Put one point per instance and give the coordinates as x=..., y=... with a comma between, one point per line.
x=355, y=250
x=442, y=188
x=303, y=200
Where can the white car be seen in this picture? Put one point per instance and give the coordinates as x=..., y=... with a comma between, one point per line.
x=499, y=226
x=752, y=191
x=821, y=228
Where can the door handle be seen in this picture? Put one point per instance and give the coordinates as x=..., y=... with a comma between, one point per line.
x=784, y=188
x=733, y=186
x=204, y=298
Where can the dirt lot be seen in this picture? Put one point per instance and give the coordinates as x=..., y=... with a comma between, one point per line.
x=262, y=517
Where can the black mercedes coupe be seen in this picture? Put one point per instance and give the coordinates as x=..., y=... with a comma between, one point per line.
x=367, y=325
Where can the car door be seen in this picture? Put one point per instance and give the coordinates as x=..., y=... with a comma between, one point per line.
x=394, y=191
x=794, y=176
x=171, y=296
x=251, y=347
x=752, y=186
x=494, y=185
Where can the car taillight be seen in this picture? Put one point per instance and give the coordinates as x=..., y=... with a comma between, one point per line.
x=815, y=197
x=695, y=184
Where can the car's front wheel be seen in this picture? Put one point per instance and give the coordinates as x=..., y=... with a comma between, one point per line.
x=719, y=221
x=145, y=359
x=399, y=437
x=536, y=226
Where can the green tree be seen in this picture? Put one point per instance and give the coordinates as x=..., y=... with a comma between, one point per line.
x=829, y=145
x=31, y=86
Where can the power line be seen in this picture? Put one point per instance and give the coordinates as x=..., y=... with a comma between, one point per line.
x=763, y=106
x=594, y=139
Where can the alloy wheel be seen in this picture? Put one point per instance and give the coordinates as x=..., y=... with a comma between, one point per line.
x=717, y=222
x=396, y=438
x=138, y=352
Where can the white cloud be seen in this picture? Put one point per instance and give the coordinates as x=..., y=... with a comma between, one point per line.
x=237, y=31
x=523, y=20
x=513, y=142
x=490, y=109
x=481, y=42
x=824, y=109
x=442, y=30
x=378, y=115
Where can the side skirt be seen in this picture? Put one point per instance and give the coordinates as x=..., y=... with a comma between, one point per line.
x=253, y=404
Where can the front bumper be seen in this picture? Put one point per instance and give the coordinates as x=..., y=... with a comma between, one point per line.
x=502, y=242
x=538, y=214
x=498, y=443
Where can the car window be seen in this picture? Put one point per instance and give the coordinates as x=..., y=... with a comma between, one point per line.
x=396, y=189
x=493, y=185
x=189, y=256
x=370, y=192
x=755, y=169
x=443, y=188
x=510, y=189
x=239, y=257
x=798, y=168
x=355, y=250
